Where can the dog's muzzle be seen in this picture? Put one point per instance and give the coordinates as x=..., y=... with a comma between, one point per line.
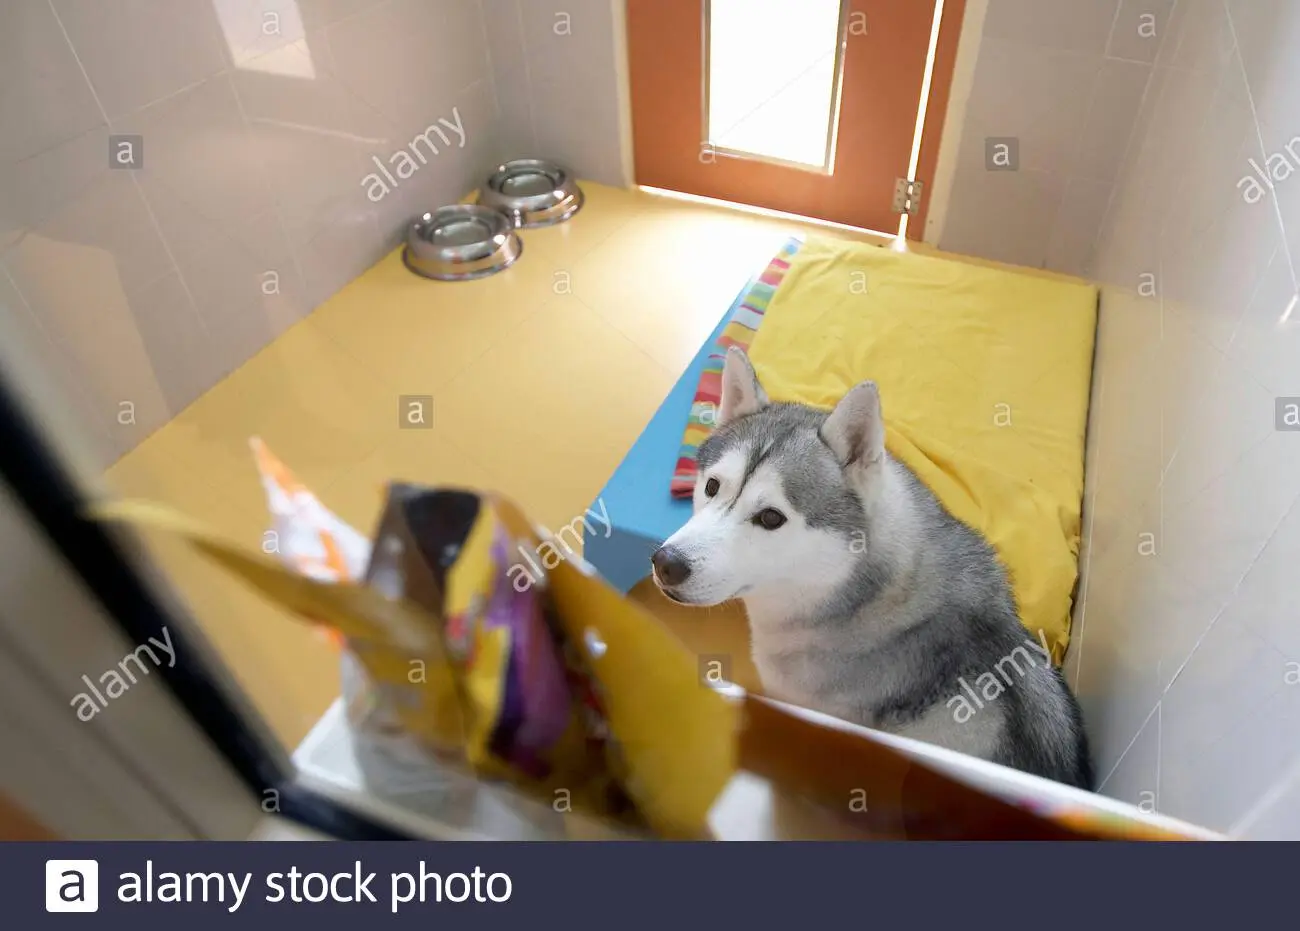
x=671, y=569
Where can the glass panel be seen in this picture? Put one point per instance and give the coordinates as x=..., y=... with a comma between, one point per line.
x=772, y=78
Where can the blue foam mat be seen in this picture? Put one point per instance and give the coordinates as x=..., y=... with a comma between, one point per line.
x=642, y=513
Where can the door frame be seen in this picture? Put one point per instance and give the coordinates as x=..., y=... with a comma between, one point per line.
x=946, y=117
x=935, y=124
x=957, y=44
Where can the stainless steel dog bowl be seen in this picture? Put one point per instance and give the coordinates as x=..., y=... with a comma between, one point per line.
x=533, y=191
x=461, y=242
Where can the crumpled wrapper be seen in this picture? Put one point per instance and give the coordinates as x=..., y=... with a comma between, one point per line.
x=460, y=646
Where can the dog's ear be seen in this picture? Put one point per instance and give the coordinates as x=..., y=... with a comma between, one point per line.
x=855, y=430
x=741, y=392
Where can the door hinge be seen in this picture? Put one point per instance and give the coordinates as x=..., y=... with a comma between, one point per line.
x=907, y=195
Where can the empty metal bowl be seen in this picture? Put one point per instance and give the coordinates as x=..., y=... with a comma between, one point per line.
x=461, y=242
x=533, y=191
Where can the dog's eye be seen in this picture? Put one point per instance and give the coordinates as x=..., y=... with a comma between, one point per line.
x=769, y=518
x=711, y=487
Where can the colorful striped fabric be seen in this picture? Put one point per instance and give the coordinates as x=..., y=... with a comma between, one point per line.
x=739, y=331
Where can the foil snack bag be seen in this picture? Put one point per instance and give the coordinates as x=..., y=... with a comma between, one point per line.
x=525, y=695
x=550, y=680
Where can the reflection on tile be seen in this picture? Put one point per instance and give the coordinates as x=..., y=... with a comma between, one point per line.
x=90, y=316
x=1267, y=341
x=69, y=195
x=269, y=37
x=96, y=438
x=41, y=106
x=315, y=143
x=202, y=172
x=128, y=65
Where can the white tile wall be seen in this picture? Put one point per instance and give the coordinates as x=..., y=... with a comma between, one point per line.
x=1186, y=654
x=1138, y=121
x=1066, y=79
x=557, y=81
x=260, y=119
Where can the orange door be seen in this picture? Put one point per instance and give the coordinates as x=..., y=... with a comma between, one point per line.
x=869, y=71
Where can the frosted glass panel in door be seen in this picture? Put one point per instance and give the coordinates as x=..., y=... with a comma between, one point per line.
x=772, y=78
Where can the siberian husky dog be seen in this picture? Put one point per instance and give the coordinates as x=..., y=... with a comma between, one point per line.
x=866, y=599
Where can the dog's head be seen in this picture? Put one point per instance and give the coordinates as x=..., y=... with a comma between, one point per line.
x=780, y=499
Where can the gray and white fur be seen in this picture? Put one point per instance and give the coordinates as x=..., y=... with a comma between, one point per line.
x=866, y=599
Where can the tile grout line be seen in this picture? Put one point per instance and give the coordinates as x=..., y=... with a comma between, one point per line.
x=1128, y=147
x=1232, y=594
x=487, y=50
x=1213, y=621
x=1077, y=148
x=78, y=384
x=1092, y=521
x=1259, y=136
x=135, y=181
x=1141, y=727
x=528, y=70
x=1160, y=747
x=1289, y=779
x=153, y=219
x=276, y=207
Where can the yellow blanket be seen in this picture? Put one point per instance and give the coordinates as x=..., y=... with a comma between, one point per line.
x=984, y=375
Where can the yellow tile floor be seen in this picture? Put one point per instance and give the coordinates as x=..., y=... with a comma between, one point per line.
x=541, y=377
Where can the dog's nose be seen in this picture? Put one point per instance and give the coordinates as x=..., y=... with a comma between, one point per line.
x=669, y=566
